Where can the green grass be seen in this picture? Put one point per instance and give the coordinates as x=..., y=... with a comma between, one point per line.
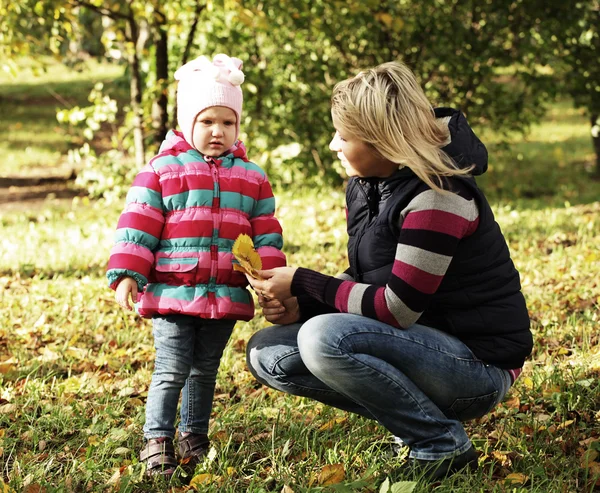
x=33, y=142
x=75, y=370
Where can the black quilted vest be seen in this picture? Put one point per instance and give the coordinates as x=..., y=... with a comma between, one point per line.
x=479, y=300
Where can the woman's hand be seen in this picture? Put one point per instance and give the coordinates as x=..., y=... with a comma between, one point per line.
x=127, y=287
x=277, y=312
x=275, y=283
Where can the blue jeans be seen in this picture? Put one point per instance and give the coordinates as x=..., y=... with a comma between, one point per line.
x=419, y=383
x=188, y=353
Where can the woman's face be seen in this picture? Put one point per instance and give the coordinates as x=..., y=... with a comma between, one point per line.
x=359, y=158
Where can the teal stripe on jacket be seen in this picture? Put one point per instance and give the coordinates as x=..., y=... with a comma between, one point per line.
x=130, y=235
x=194, y=243
x=145, y=196
x=265, y=206
x=190, y=293
x=193, y=198
x=271, y=239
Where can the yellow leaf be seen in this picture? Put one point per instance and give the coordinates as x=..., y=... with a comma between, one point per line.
x=203, y=479
x=4, y=488
x=94, y=440
x=517, y=478
x=385, y=19
x=565, y=424
x=330, y=424
x=528, y=383
x=332, y=474
x=286, y=489
x=248, y=259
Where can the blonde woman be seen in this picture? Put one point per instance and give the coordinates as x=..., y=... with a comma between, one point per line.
x=427, y=328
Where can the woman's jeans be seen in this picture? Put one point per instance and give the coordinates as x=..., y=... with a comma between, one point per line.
x=188, y=353
x=419, y=383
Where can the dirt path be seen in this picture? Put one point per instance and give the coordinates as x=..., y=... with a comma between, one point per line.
x=32, y=192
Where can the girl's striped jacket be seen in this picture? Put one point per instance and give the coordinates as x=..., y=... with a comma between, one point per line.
x=182, y=215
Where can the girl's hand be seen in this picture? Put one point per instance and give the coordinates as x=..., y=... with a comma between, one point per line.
x=275, y=283
x=277, y=312
x=127, y=287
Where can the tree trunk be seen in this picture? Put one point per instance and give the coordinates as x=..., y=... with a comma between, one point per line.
x=160, y=116
x=187, y=49
x=595, y=120
x=135, y=92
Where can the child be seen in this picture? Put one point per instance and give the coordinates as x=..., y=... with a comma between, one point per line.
x=172, y=253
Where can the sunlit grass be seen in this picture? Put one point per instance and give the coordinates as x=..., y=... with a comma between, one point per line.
x=75, y=370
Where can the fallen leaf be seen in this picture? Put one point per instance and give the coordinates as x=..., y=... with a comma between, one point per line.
x=330, y=424
x=286, y=489
x=331, y=474
x=201, y=479
x=34, y=488
x=512, y=403
x=567, y=423
x=516, y=478
x=94, y=440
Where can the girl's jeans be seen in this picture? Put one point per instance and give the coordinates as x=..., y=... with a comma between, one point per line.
x=188, y=353
x=419, y=383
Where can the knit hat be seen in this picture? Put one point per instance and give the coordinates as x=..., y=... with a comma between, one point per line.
x=203, y=84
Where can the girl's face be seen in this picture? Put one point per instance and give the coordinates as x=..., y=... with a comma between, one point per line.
x=214, y=130
x=359, y=158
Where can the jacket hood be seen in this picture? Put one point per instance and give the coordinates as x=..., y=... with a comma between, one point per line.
x=175, y=143
x=464, y=147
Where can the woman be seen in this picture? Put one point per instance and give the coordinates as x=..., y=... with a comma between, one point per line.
x=428, y=327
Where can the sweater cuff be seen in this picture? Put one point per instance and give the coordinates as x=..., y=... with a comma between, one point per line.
x=306, y=281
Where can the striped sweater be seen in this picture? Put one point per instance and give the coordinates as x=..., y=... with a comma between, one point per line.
x=175, y=235
x=431, y=227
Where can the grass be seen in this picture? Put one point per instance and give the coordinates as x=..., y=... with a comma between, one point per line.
x=74, y=370
x=33, y=141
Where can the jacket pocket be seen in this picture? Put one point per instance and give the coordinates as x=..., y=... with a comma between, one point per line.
x=176, y=271
x=472, y=407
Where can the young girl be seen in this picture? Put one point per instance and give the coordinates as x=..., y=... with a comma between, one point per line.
x=172, y=253
x=428, y=326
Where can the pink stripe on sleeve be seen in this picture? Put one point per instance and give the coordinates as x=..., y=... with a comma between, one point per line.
x=342, y=295
x=271, y=257
x=132, y=249
x=381, y=309
x=438, y=221
x=419, y=279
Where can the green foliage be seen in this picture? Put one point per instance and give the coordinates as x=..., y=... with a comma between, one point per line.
x=501, y=61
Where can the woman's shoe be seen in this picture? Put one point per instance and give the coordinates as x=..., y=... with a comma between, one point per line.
x=435, y=470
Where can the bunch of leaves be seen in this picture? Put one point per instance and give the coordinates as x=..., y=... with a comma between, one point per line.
x=248, y=259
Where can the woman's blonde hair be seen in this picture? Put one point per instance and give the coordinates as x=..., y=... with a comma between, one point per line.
x=386, y=107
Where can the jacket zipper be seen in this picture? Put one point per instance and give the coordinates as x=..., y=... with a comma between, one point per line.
x=214, y=242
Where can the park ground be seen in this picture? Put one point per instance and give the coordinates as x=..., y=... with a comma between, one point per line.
x=74, y=370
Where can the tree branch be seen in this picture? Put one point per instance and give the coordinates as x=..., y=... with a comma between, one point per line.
x=100, y=10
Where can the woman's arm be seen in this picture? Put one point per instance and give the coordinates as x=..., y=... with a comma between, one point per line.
x=432, y=227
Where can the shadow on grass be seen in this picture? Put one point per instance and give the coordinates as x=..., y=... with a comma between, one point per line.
x=29, y=271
